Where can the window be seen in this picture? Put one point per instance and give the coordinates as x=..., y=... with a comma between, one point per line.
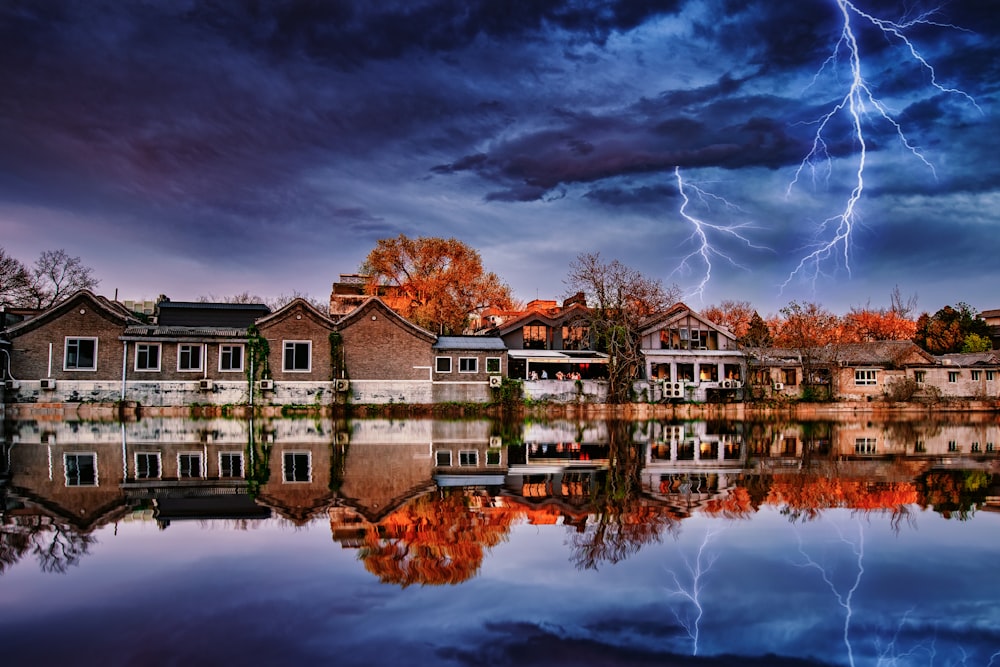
x=575, y=337
x=189, y=357
x=230, y=357
x=468, y=365
x=977, y=375
x=493, y=365
x=297, y=466
x=990, y=376
x=685, y=372
x=789, y=377
x=865, y=445
x=81, y=354
x=952, y=445
x=920, y=447
x=468, y=457
x=492, y=457
x=865, y=376
x=297, y=357
x=975, y=447
x=442, y=459
x=732, y=371
x=81, y=469
x=952, y=376
x=147, y=357
x=442, y=364
x=989, y=446
x=920, y=376
x=189, y=465
x=147, y=465
x=231, y=464
x=536, y=337
x=708, y=373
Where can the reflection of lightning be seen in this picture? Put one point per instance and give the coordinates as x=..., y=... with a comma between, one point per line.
x=704, y=249
x=845, y=600
x=858, y=101
x=702, y=564
x=992, y=658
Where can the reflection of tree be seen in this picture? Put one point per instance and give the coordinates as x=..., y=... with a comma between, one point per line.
x=806, y=496
x=57, y=548
x=625, y=521
x=953, y=492
x=258, y=457
x=435, y=539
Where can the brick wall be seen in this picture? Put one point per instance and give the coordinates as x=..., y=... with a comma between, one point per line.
x=299, y=324
x=30, y=350
x=377, y=346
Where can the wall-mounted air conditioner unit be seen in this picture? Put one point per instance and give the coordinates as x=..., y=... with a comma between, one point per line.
x=343, y=437
x=727, y=384
x=495, y=381
x=496, y=441
x=342, y=385
x=778, y=386
x=266, y=385
x=12, y=384
x=48, y=383
x=205, y=384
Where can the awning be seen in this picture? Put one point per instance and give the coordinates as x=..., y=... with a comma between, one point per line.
x=559, y=356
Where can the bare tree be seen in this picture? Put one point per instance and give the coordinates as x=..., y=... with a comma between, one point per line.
x=56, y=276
x=15, y=281
x=242, y=297
x=620, y=300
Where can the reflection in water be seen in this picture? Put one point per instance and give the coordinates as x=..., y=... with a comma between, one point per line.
x=682, y=515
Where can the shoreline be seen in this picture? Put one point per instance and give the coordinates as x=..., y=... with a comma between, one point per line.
x=976, y=411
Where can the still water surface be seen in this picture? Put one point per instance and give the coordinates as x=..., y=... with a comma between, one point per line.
x=478, y=543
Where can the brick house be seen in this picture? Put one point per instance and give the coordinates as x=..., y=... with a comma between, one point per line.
x=300, y=361
x=466, y=366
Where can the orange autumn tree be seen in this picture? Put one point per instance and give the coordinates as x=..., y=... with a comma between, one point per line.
x=864, y=325
x=439, y=282
x=734, y=315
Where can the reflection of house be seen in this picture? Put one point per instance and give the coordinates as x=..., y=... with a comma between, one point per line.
x=689, y=357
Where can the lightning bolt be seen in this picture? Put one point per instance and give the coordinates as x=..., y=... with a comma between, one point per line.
x=845, y=599
x=704, y=250
x=857, y=103
x=695, y=572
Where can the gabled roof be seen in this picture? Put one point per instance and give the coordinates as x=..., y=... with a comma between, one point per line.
x=296, y=303
x=564, y=315
x=492, y=343
x=877, y=353
x=970, y=359
x=375, y=305
x=659, y=321
x=82, y=297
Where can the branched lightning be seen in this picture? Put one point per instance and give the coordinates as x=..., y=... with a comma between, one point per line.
x=836, y=231
x=844, y=599
x=695, y=573
x=704, y=250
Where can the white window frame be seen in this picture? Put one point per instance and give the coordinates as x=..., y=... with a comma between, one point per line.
x=437, y=364
x=181, y=347
x=468, y=457
x=148, y=346
x=77, y=455
x=490, y=361
x=866, y=446
x=438, y=461
x=291, y=344
x=468, y=361
x=285, y=470
x=990, y=376
x=66, y=366
x=241, y=472
x=920, y=377
x=977, y=375
x=953, y=376
x=159, y=465
x=201, y=465
x=866, y=377
x=494, y=452
x=225, y=348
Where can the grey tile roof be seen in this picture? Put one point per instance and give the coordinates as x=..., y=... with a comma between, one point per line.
x=184, y=332
x=469, y=343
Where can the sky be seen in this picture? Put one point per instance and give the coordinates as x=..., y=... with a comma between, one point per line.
x=745, y=150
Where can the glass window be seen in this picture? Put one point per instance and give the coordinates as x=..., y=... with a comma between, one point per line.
x=468, y=457
x=990, y=376
x=189, y=357
x=297, y=356
x=297, y=466
x=493, y=365
x=231, y=464
x=147, y=357
x=442, y=459
x=81, y=354
x=468, y=365
x=189, y=465
x=576, y=337
x=865, y=376
x=493, y=457
x=81, y=469
x=789, y=377
x=920, y=376
x=147, y=465
x=536, y=337
x=230, y=357
x=443, y=364
x=952, y=376
x=708, y=372
x=977, y=375
x=865, y=445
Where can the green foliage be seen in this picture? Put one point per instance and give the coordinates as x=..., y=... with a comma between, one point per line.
x=947, y=330
x=509, y=394
x=976, y=343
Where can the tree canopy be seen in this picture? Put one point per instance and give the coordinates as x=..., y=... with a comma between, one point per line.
x=436, y=283
x=946, y=330
x=54, y=276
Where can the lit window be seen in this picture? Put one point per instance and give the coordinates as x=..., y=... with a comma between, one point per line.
x=231, y=464
x=147, y=465
x=865, y=376
x=536, y=337
x=230, y=357
x=297, y=356
x=189, y=465
x=297, y=466
x=147, y=357
x=468, y=365
x=189, y=357
x=81, y=354
x=81, y=469
x=493, y=365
